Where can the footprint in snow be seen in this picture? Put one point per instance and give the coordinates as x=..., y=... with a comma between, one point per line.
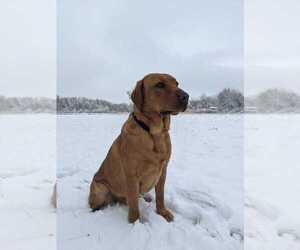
x=205, y=212
x=35, y=187
x=205, y=201
x=237, y=233
x=289, y=233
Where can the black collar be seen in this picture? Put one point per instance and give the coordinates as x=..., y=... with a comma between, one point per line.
x=141, y=123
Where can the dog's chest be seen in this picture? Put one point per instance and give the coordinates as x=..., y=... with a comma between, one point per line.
x=150, y=171
x=160, y=145
x=149, y=178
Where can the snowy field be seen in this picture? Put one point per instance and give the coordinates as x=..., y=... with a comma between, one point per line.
x=27, y=174
x=233, y=181
x=204, y=187
x=272, y=182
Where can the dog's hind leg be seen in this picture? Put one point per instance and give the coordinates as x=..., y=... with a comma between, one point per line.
x=100, y=196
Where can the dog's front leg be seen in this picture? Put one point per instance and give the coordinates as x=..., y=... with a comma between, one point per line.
x=160, y=200
x=132, y=198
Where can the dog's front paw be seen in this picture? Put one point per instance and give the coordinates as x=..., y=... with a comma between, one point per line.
x=166, y=214
x=133, y=215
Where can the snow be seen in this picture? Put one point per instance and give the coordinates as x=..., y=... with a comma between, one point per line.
x=204, y=186
x=27, y=175
x=232, y=183
x=272, y=187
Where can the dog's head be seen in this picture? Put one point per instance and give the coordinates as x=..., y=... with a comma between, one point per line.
x=159, y=93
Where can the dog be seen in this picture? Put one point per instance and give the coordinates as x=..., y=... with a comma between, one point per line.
x=138, y=158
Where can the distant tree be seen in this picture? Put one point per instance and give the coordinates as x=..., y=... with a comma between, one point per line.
x=203, y=103
x=278, y=100
x=230, y=101
x=86, y=105
x=227, y=101
x=26, y=104
x=3, y=103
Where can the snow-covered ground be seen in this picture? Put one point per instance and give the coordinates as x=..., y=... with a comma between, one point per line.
x=272, y=182
x=27, y=174
x=219, y=162
x=204, y=187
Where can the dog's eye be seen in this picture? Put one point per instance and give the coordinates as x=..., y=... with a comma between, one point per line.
x=160, y=85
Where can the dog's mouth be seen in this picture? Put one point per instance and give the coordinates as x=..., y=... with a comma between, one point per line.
x=185, y=107
x=167, y=112
x=179, y=107
x=175, y=112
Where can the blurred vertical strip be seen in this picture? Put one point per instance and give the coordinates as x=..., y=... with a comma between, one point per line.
x=27, y=124
x=272, y=141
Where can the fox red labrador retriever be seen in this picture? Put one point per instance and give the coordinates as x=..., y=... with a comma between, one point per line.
x=138, y=158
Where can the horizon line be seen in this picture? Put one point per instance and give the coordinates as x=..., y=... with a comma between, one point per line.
x=192, y=98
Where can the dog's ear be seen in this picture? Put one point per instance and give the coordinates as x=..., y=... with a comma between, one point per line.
x=137, y=95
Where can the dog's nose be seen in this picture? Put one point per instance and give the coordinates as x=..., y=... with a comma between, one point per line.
x=183, y=97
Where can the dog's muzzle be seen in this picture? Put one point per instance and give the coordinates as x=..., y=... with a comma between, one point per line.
x=183, y=98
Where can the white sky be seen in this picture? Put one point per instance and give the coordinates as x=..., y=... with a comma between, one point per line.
x=104, y=47
x=28, y=48
x=272, y=45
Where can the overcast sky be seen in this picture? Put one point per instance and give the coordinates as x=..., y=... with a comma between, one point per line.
x=104, y=47
x=28, y=48
x=272, y=45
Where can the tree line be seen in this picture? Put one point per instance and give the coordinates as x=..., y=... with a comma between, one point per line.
x=27, y=105
x=227, y=101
